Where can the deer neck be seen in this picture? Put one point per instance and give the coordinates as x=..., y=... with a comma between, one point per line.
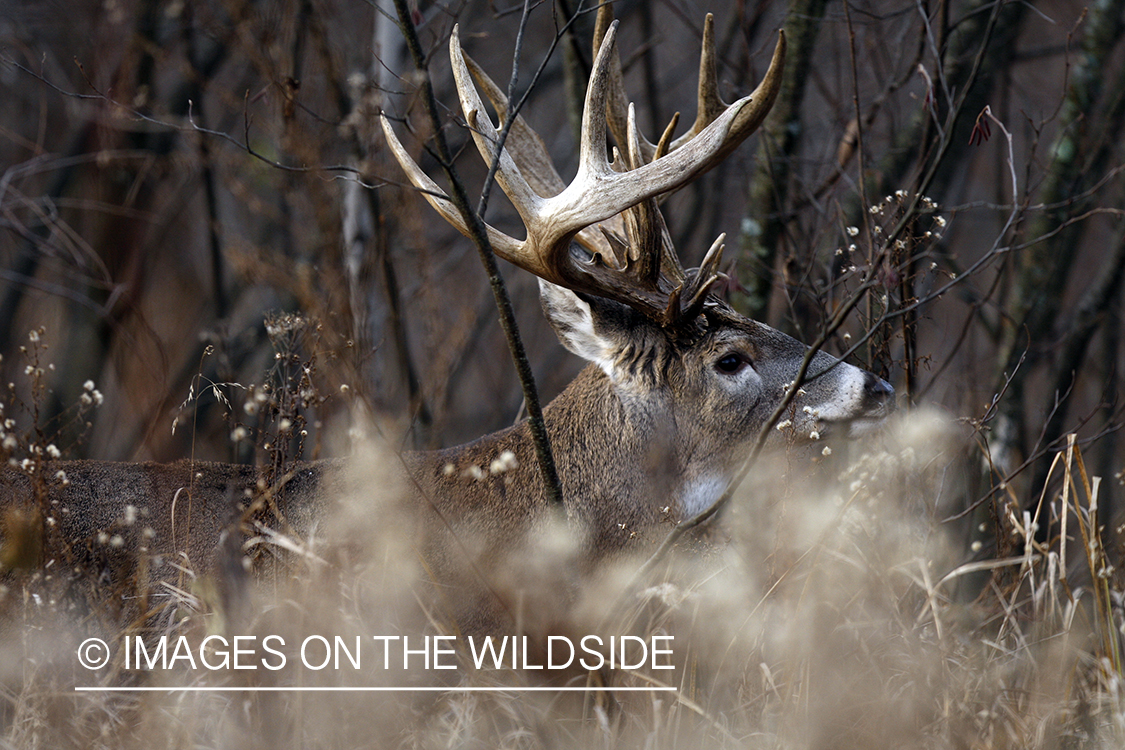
x=654, y=455
x=618, y=457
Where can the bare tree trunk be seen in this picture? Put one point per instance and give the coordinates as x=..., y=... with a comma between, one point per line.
x=373, y=279
x=779, y=140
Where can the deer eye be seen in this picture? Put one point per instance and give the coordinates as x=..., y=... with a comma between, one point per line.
x=731, y=362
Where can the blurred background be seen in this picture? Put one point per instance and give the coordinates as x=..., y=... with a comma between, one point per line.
x=173, y=175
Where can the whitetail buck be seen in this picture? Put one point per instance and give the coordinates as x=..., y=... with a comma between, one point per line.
x=652, y=431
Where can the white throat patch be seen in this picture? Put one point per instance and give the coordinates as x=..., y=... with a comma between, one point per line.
x=699, y=494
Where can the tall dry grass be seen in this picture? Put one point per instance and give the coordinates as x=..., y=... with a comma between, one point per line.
x=830, y=608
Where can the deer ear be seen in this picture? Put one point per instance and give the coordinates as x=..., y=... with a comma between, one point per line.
x=577, y=325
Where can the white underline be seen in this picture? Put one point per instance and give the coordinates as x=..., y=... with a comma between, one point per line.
x=368, y=689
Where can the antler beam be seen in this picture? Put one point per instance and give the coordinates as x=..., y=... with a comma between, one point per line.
x=650, y=280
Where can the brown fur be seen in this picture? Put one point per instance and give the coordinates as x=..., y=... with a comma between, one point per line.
x=626, y=447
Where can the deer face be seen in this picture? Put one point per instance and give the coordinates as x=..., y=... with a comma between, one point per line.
x=745, y=355
x=720, y=369
x=704, y=389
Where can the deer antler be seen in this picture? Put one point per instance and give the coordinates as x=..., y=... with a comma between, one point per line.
x=641, y=269
x=710, y=104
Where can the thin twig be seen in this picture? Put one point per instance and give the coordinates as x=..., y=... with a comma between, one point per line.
x=475, y=224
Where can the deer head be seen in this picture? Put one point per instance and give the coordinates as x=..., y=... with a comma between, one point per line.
x=686, y=381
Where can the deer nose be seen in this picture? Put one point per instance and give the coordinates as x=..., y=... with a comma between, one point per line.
x=878, y=390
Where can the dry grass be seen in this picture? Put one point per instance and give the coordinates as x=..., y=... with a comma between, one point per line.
x=831, y=610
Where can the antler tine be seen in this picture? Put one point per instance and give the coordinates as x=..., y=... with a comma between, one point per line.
x=619, y=101
x=592, y=161
x=437, y=197
x=646, y=274
x=642, y=222
x=508, y=174
x=706, y=275
x=531, y=156
x=534, y=189
x=761, y=98
x=599, y=192
x=710, y=104
x=526, y=147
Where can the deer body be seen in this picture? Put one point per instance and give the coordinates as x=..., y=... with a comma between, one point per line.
x=104, y=515
x=656, y=438
x=653, y=441
x=652, y=431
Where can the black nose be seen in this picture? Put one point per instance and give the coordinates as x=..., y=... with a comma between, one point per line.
x=877, y=389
